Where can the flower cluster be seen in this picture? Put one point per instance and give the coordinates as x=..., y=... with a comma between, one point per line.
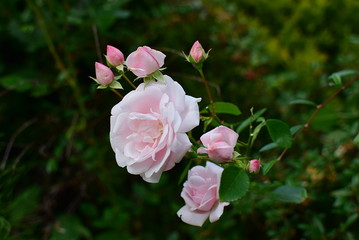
x=149, y=126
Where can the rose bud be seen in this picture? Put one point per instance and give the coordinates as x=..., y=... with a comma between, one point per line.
x=197, y=52
x=254, y=166
x=114, y=56
x=219, y=144
x=104, y=75
x=145, y=61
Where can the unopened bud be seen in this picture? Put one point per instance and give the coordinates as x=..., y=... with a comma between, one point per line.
x=104, y=75
x=197, y=52
x=254, y=166
x=114, y=56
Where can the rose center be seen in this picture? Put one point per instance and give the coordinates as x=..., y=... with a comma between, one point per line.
x=146, y=131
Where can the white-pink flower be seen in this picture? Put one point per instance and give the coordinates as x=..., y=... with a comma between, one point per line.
x=145, y=61
x=149, y=125
x=219, y=143
x=201, y=195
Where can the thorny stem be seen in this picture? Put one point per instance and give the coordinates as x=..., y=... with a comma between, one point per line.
x=97, y=42
x=59, y=63
x=213, y=111
x=129, y=81
x=117, y=93
x=319, y=107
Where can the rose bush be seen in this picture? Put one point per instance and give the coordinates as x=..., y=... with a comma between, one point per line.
x=200, y=193
x=145, y=61
x=148, y=128
x=219, y=143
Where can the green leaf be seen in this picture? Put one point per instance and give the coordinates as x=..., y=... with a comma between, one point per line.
x=5, y=228
x=16, y=82
x=279, y=132
x=356, y=139
x=267, y=166
x=269, y=146
x=116, y=85
x=350, y=220
x=303, y=101
x=184, y=172
x=224, y=108
x=234, y=184
x=295, y=129
x=24, y=204
x=325, y=119
x=51, y=165
x=337, y=79
x=289, y=194
x=158, y=76
x=256, y=131
x=249, y=120
x=342, y=73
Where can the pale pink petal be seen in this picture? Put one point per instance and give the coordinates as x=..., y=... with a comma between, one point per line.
x=157, y=55
x=195, y=218
x=190, y=115
x=214, y=168
x=217, y=211
x=201, y=150
x=139, y=167
x=228, y=134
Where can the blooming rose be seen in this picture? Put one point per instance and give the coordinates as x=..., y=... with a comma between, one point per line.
x=219, y=144
x=200, y=193
x=104, y=75
x=114, y=56
x=149, y=125
x=145, y=61
x=254, y=166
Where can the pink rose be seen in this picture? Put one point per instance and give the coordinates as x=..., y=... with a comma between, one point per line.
x=200, y=193
x=219, y=144
x=104, y=75
x=145, y=61
x=114, y=56
x=149, y=125
x=197, y=52
x=254, y=166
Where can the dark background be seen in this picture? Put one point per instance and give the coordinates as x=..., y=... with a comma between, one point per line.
x=58, y=175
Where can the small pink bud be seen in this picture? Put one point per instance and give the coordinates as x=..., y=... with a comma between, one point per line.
x=114, y=56
x=197, y=52
x=254, y=166
x=104, y=75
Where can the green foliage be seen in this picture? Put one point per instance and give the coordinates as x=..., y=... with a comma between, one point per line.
x=5, y=228
x=234, y=184
x=224, y=108
x=58, y=175
x=289, y=194
x=279, y=132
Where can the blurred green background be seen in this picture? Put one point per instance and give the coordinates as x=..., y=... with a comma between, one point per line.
x=58, y=176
